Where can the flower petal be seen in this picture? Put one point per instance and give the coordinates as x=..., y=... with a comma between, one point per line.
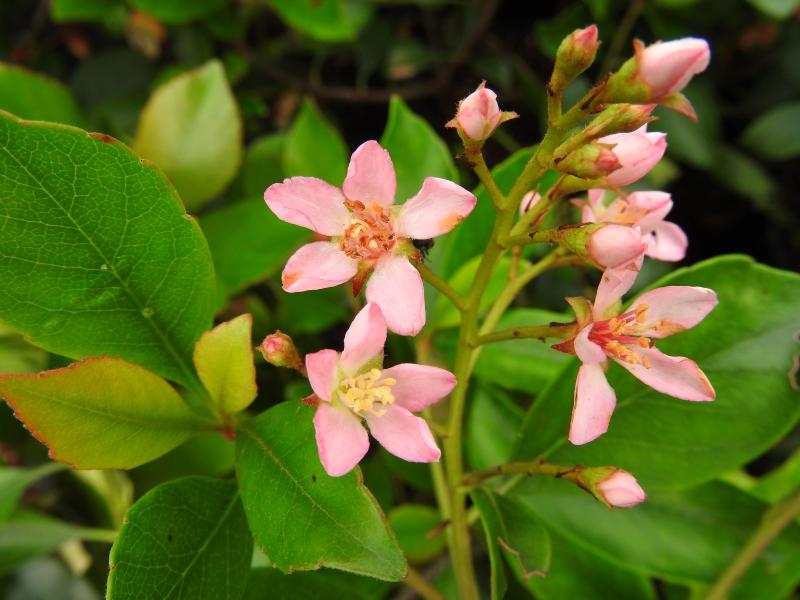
x=614, y=284
x=667, y=241
x=309, y=202
x=594, y=402
x=342, y=440
x=364, y=339
x=655, y=205
x=404, y=435
x=438, y=207
x=321, y=367
x=370, y=175
x=674, y=308
x=419, y=386
x=672, y=375
x=396, y=287
x=317, y=265
x=586, y=350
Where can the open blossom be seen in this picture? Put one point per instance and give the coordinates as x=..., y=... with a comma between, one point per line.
x=638, y=152
x=621, y=490
x=355, y=390
x=367, y=232
x=628, y=339
x=478, y=115
x=645, y=211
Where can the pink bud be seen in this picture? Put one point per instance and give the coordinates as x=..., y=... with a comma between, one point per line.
x=479, y=115
x=590, y=161
x=613, y=246
x=667, y=67
x=638, y=152
x=621, y=490
x=278, y=349
x=574, y=55
x=528, y=201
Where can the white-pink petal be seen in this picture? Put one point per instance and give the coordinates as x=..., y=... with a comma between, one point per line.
x=621, y=490
x=309, y=202
x=593, y=405
x=364, y=339
x=614, y=284
x=586, y=350
x=316, y=266
x=614, y=245
x=342, y=440
x=419, y=386
x=667, y=67
x=656, y=205
x=438, y=207
x=321, y=367
x=674, y=308
x=672, y=375
x=404, y=435
x=666, y=241
x=396, y=287
x=370, y=175
x=638, y=152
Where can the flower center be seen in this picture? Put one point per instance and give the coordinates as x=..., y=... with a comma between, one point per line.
x=370, y=234
x=620, y=336
x=363, y=392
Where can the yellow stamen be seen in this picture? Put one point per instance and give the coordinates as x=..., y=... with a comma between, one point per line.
x=364, y=392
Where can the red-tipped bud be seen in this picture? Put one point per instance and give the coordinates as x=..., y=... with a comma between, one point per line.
x=590, y=161
x=621, y=490
x=575, y=54
x=478, y=115
x=278, y=349
x=638, y=151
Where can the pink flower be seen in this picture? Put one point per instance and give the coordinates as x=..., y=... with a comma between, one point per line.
x=478, y=114
x=628, y=339
x=367, y=232
x=354, y=389
x=667, y=67
x=638, y=152
x=621, y=490
x=645, y=211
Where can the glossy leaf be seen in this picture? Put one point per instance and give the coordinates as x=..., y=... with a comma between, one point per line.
x=417, y=151
x=314, y=148
x=492, y=424
x=313, y=311
x=178, y=11
x=775, y=135
x=325, y=20
x=13, y=483
x=101, y=413
x=224, y=361
x=324, y=584
x=248, y=243
x=18, y=356
x=35, y=97
x=133, y=280
x=418, y=531
x=184, y=539
x=301, y=518
x=191, y=128
x=745, y=347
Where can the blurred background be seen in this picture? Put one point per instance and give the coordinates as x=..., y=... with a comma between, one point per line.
x=290, y=87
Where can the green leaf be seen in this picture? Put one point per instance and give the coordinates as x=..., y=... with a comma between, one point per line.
x=184, y=539
x=694, y=143
x=248, y=243
x=101, y=413
x=745, y=347
x=578, y=573
x=301, y=518
x=313, y=311
x=314, y=148
x=224, y=361
x=261, y=166
x=418, y=529
x=492, y=424
x=416, y=150
x=13, y=483
x=524, y=365
x=492, y=528
x=178, y=11
x=775, y=135
x=324, y=584
x=191, y=128
x=517, y=531
x=36, y=97
x=325, y=20
x=748, y=178
x=780, y=482
x=777, y=9
x=18, y=356
x=133, y=280
x=665, y=535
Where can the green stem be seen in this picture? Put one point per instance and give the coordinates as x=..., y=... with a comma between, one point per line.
x=90, y=534
x=422, y=586
x=521, y=468
x=538, y=332
x=775, y=520
x=486, y=178
x=440, y=284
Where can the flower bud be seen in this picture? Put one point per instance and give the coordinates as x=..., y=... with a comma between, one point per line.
x=528, y=201
x=590, y=161
x=575, y=54
x=620, y=490
x=619, y=118
x=638, y=152
x=605, y=245
x=278, y=349
x=478, y=115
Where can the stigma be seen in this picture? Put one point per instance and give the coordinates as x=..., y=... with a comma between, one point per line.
x=370, y=233
x=368, y=392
